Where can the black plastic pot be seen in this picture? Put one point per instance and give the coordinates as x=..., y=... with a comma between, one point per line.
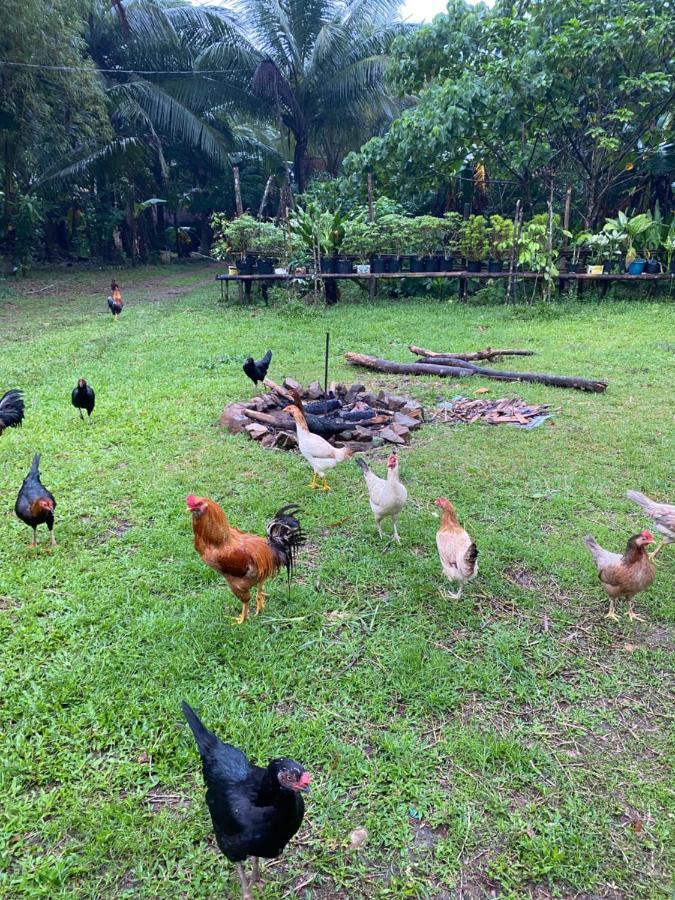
x=611, y=265
x=577, y=268
x=344, y=266
x=394, y=264
x=417, y=264
x=432, y=263
x=672, y=266
x=448, y=264
x=378, y=265
x=473, y=265
x=328, y=264
x=244, y=267
x=652, y=267
x=495, y=265
x=265, y=266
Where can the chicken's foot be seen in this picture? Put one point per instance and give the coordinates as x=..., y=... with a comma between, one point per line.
x=53, y=539
x=33, y=543
x=660, y=547
x=81, y=416
x=259, y=601
x=313, y=485
x=632, y=615
x=612, y=614
x=448, y=595
x=244, y=614
x=396, y=537
x=325, y=484
x=245, y=888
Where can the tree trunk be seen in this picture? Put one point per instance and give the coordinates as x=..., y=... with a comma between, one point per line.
x=300, y=162
x=237, y=191
x=488, y=353
x=396, y=368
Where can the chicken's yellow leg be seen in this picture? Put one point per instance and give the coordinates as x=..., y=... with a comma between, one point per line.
x=325, y=484
x=244, y=614
x=611, y=614
x=259, y=600
x=660, y=547
x=632, y=615
x=313, y=485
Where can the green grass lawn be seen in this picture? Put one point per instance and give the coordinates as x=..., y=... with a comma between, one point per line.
x=513, y=741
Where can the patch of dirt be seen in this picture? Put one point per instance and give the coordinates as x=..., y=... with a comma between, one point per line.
x=521, y=577
x=424, y=837
x=159, y=799
x=9, y=603
x=117, y=529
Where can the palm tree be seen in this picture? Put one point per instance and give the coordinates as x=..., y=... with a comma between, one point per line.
x=138, y=47
x=316, y=66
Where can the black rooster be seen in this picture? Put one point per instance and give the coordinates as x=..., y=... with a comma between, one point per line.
x=255, y=811
x=257, y=371
x=11, y=410
x=83, y=397
x=35, y=505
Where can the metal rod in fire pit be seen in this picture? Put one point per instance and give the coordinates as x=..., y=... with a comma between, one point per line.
x=325, y=376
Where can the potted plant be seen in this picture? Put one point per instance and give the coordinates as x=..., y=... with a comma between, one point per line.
x=452, y=222
x=269, y=245
x=473, y=242
x=500, y=237
x=633, y=227
x=651, y=241
x=533, y=252
x=616, y=238
x=668, y=245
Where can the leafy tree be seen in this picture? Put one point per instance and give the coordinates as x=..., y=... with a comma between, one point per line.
x=315, y=66
x=43, y=112
x=534, y=91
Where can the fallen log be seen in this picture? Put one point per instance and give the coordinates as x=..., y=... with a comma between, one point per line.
x=489, y=353
x=395, y=368
x=468, y=368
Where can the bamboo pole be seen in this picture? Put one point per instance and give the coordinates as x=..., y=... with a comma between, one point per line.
x=265, y=196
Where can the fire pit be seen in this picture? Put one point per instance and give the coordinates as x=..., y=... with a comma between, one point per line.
x=350, y=416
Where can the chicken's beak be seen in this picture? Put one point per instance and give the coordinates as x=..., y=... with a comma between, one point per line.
x=303, y=783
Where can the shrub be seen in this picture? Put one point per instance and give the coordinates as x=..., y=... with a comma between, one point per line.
x=473, y=238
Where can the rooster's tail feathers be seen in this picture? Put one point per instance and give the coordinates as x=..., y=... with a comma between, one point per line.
x=362, y=464
x=35, y=466
x=286, y=535
x=206, y=740
x=11, y=409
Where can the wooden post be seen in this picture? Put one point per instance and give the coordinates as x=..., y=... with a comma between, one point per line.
x=237, y=191
x=371, y=210
x=549, y=246
x=263, y=202
x=325, y=376
x=512, y=257
x=566, y=214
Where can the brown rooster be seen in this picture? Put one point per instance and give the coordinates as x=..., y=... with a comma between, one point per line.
x=624, y=575
x=245, y=560
x=115, y=302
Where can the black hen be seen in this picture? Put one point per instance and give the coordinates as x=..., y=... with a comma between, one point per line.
x=255, y=811
x=257, y=371
x=11, y=410
x=83, y=397
x=35, y=505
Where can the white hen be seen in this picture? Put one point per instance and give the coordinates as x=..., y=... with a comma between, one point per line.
x=321, y=455
x=661, y=514
x=387, y=496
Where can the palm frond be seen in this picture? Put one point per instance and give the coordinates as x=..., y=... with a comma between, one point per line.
x=83, y=161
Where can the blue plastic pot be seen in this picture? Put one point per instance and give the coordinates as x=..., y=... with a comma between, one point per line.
x=637, y=267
